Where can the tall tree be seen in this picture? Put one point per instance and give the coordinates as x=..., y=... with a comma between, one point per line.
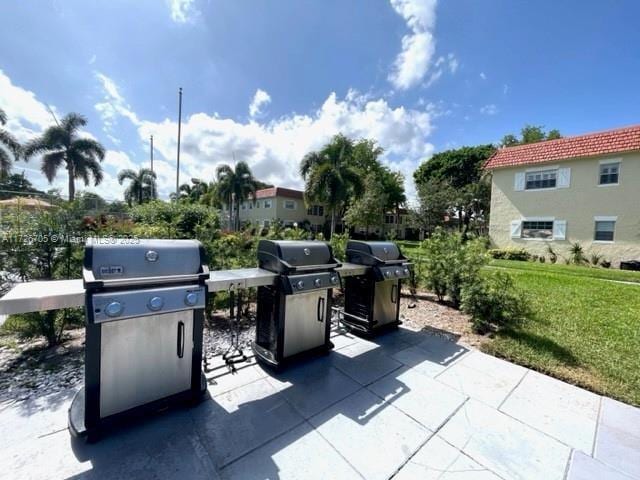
x=16, y=183
x=9, y=147
x=369, y=208
x=234, y=187
x=330, y=176
x=393, y=188
x=195, y=191
x=61, y=145
x=459, y=173
x=530, y=134
x=142, y=185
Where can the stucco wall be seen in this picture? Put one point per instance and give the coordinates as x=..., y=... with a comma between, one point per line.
x=277, y=211
x=578, y=205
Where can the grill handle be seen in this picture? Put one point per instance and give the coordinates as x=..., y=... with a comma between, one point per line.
x=394, y=293
x=320, y=309
x=180, y=339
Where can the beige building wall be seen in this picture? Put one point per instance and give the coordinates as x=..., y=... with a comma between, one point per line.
x=257, y=212
x=578, y=205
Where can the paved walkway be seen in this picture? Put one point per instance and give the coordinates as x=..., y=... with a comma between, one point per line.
x=406, y=405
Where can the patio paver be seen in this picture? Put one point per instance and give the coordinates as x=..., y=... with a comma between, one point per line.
x=508, y=447
x=483, y=377
x=567, y=413
x=371, y=409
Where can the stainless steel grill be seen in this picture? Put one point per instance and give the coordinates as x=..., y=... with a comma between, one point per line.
x=293, y=315
x=144, y=303
x=372, y=300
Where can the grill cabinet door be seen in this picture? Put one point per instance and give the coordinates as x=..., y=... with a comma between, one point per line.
x=385, y=307
x=141, y=362
x=305, y=322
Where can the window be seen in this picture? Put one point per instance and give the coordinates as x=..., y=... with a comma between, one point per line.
x=267, y=204
x=604, y=230
x=258, y=204
x=609, y=173
x=389, y=219
x=537, y=229
x=317, y=210
x=542, y=179
x=289, y=205
x=244, y=205
x=266, y=223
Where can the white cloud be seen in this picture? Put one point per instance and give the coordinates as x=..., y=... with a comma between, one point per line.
x=483, y=76
x=450, y=62
x=113, y=106
x=418, y=47
x=489, y=109
x=182, y=11
x=505, y=89
x=274, y=149
x=260, y=99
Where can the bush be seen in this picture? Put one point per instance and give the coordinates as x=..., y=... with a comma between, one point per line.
x=450, y=263
x=595, y=259
x=510, y=254
x=605, y=264
x=553, y=256
x=576, y=254
x=493, y=301
x=542, y=259
x=50, y=324
x=339, y=245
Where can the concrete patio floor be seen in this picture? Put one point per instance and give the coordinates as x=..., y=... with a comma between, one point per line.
x=407, y=405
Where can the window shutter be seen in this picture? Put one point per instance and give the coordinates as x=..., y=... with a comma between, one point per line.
x=519, y=181
x=559, y=229
x=516, y=229
x=564, y=177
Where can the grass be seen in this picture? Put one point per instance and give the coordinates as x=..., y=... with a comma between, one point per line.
x=585, y=329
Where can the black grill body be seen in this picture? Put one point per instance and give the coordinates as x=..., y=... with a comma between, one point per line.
x=294, y=314
x=372, y=300
x=145, y=302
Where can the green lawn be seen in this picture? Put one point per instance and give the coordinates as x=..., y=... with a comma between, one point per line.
x=585, y=329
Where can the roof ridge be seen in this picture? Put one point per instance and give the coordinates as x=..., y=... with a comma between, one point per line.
x=572, y=137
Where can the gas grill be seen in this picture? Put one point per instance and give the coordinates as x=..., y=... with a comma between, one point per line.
x=293, y=315
x=372, y=300
x=144, y=303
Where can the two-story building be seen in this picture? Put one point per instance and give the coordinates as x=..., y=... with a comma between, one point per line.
x=280, y=204
x=287, y=206
x=576, y=189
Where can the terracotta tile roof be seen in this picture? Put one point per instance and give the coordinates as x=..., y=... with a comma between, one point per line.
x=279, y=192
x=592, y=144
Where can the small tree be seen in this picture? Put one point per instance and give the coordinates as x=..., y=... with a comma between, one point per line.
x=369, y=209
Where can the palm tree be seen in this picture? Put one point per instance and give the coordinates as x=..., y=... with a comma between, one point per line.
x=195, y=191
x=142, y=185
x=60, y=145
x=234, y=187
x=330, y=176
x=8, y=145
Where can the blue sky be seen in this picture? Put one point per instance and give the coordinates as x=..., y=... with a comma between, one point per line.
x=419, y=76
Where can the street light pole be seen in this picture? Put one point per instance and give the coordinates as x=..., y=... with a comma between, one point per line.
x=179, y=129
x=151, y=154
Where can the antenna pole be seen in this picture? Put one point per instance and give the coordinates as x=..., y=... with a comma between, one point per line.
x=179, y=131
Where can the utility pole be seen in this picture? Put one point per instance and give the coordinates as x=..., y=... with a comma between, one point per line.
x=179, y=129
x=151, y=153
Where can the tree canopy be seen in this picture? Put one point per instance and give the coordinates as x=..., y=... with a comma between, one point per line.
x=530, y=134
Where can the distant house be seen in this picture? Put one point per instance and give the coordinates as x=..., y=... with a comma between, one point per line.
x=577, y=189
x=287, y=206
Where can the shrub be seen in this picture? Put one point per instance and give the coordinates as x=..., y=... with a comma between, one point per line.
x=542, y=259
x=450, y=263
x=595, y=259
x=576, y=254
x=493, y=301
x=339, y=245
x=605, y=264
x=510, y=254
x=553, y=256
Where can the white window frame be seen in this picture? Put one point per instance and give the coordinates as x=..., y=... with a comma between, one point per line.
x=600, y=218
x=609, y=161
x=536, y=219
x=540, y=170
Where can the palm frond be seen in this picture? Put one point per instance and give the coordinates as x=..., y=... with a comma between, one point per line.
x=3, y=117
x=88, y=146
x=126, y=174
x=72, y=122
x=50, y=164
x=10, y=142
x=5, y=163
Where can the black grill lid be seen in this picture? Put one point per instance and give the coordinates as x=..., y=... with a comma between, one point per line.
x=120, y=259
x=284, y=256
x=373, y=253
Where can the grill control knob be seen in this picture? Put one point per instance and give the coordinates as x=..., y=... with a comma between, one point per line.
x=155, y=303
x=191, y=299
x=397, y=272
x=300, y=285
x=334, y=279
x=113, y=309
x=387, y=273
x=317, y=282
x=406, y=271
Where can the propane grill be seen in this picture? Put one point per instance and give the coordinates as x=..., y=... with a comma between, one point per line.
x=144, y=303
x=293, y=315
x=372, y=300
